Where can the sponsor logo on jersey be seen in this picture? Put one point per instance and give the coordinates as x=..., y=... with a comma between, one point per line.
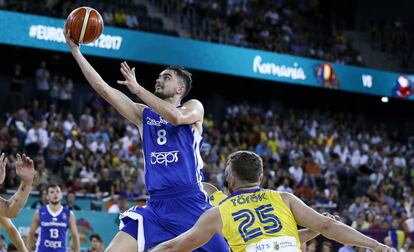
x=52, y=224
x=53, y=244
x=164, y=158
x=154, y=122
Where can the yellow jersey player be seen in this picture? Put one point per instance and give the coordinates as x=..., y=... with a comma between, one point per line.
x=216, y=197
x=254, y=219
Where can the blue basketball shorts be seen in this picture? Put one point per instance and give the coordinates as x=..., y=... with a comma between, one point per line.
x=167, y=216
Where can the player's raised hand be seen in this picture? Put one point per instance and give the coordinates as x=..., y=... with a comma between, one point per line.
x=3, y=163
x=25, y=169
x=130, y=79
x=72, y=45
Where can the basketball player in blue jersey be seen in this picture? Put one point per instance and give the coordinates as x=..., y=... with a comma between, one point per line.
x=54, y=221
x=171, y=135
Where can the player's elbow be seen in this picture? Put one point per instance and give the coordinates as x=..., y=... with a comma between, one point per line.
x=175, y=118
x=326, y=226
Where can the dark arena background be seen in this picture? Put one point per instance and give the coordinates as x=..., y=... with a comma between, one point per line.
x=322, y=90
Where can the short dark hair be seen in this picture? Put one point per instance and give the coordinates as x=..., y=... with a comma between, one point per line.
x=95, y=236
x=247, y=165
x=185, y=77
x=51, y=186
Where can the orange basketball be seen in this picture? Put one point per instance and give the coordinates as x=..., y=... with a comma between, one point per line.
x=85, y=25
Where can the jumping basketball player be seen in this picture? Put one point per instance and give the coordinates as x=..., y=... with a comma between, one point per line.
x=171, y=134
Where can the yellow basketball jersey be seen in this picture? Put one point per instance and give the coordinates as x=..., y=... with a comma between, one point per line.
x=217, y=197
x=258, y=221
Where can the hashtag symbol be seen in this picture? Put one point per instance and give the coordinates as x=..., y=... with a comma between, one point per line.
x=33, y=31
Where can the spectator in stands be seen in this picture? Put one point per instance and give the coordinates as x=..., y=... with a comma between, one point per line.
x=97, y=145
x=71, y=163
x=36, y=140
x=408, y=224
x=131, y=192
x=55, y=89
x=69, y=123
x=5, y=139
x=396, y=234
x=42, y=81
x=105, y=183
x=95, y=243
x=120, y=17
x=312, y=246
x=43, y=201
x=16, y=87
x=70, y=201
x=131, y=20
x=120, y=205
x=87, y=119
x=285, y=186
x=41, y=177
x=346, y=248
x=327, y=246
x=54, y=152
x=65, y=95
x=108, y=16
x=297, y=171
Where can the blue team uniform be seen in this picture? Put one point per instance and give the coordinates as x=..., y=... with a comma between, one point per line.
x=173, y=175
x=53, y=229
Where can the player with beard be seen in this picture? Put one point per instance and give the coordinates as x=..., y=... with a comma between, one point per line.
x=171, y=134
x=54, y=221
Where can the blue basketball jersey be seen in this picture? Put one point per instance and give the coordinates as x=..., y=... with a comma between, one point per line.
x=53, y=229
x=172, y=154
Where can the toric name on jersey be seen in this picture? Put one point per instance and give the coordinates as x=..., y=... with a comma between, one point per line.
x=246, y=199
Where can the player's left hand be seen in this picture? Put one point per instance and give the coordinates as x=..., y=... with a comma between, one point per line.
x=130, y=79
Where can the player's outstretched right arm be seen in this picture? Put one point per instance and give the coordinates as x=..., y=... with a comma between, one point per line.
x=122, y=103
x=328, y=227
x=32, y=230
x=13, y=234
